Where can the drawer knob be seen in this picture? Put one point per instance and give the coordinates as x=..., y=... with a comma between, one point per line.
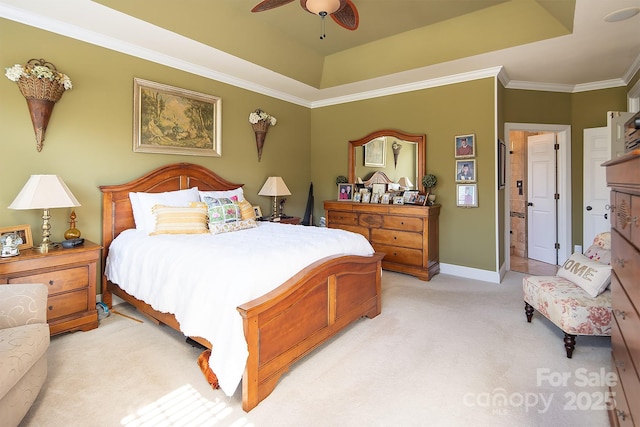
x=50, y=282
x=395, y=238
x=620, y=313
x=621, y=414
x=50, y=307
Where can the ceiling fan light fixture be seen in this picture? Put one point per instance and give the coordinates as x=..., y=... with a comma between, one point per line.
x=317, y=7
x=622, y=14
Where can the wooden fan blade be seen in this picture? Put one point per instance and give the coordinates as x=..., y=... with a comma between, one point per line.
x=269, y=4
x=347, y=17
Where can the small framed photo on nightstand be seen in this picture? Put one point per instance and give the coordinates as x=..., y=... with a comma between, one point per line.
x=24, y=233
x=257, y=211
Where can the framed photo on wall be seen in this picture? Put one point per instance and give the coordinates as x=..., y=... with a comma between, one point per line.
x=171, y=120
x=466, y=170
x=375, y=153
x=467, y=196
x=465, y=145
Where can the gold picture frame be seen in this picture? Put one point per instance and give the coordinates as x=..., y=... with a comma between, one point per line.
x=171, y=120
x=24, y=231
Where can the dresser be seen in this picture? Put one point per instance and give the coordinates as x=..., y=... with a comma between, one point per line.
x=407, y=234
x=70, y=275
x=623, y=177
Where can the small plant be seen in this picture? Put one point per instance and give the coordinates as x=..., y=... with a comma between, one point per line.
x=341, y=179
x=429, y=181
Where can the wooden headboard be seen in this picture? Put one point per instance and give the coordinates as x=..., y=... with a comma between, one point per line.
x=117, y=214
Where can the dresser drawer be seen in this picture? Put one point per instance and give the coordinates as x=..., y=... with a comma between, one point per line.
x=621, y=213
x=68, y=303
x=340, y=217
x=627, y=318
x=399, y=254
x=627, y=376
x=396, y=238
x=58, y=281
x=370, y=220
x=403, y=223
x=625, y=260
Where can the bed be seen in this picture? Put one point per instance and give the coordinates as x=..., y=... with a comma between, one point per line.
x=282, y=325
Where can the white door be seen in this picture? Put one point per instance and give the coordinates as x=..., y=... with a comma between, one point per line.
x=595, y=193
x=541, y=201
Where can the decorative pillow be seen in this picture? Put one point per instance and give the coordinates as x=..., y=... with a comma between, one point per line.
x=597, y=253
x=603, y=240
x=226, y=194
x=246, y=210
x=180, y=219
x=592, y=276
x=141, y=203
x=226, y=227
x=222, y=210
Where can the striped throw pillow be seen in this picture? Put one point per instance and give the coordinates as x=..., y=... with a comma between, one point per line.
x=181, y=219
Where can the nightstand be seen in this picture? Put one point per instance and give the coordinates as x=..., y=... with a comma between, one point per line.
x=70, y=275
x=295, y=220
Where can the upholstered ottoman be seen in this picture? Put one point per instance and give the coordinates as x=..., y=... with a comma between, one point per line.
x=568, y=306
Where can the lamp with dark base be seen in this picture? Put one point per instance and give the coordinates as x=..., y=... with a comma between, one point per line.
x=274, y=187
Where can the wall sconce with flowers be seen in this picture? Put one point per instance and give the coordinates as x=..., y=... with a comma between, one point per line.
x=260, y=121
x=42, y=85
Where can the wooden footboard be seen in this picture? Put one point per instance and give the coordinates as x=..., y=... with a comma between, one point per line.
x=293, y=319
x=281, y=326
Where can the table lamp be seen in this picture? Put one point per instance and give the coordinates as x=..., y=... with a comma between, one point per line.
x=405, y=183
x=44, y=192
x=274, y=187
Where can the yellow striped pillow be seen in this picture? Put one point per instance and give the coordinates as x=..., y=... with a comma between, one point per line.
x=246, y=210
x=190, y=219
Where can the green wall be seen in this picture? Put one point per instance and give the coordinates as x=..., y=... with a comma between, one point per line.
x=467, y=236
x=89, y=138
x=581, y=111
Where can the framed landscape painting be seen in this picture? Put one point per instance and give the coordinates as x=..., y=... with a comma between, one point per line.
x=170, y=120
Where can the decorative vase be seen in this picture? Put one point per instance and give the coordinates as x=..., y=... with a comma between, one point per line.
x=431, y=198
x=260, y=130
x=41, y=95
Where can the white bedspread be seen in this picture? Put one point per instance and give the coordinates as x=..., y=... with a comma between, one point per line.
x=202, y=278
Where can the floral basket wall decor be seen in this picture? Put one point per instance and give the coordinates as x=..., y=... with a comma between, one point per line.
x=260, y=122
x=42, y=85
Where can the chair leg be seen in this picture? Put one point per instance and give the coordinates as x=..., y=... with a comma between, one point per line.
x=569, y=344
x=528, y=309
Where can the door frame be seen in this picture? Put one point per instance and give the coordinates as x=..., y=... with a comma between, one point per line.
x=564, y=186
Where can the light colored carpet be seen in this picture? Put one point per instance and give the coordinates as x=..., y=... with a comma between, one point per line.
x=449, y=352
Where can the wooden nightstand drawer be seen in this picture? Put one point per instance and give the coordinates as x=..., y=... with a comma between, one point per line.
x=65, y=304
x=394, y=237
x=58, y=281
x=71, y=276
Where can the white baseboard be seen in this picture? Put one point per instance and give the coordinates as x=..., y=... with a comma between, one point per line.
x=470, y=273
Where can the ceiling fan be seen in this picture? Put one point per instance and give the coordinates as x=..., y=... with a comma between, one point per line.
x=343, y=12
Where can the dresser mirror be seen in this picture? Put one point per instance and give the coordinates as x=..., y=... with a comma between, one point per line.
x=398, y=154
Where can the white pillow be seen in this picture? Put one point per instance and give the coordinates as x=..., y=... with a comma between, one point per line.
x=226, y=194
x=592, y=276
x=142, y=203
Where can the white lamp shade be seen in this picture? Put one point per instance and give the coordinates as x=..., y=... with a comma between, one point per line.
x=44, y=192
x=274, y=186
x=405, y=182
x=318, y=6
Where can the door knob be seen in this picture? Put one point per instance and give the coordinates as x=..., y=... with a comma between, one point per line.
x=606, y=216
x=589, y=208
x=530, y=204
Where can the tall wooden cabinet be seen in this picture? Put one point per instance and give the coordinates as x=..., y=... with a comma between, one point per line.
x=407, y=234
x=623, y=176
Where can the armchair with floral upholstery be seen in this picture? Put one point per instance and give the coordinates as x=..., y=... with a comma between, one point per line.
x=577, y=299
